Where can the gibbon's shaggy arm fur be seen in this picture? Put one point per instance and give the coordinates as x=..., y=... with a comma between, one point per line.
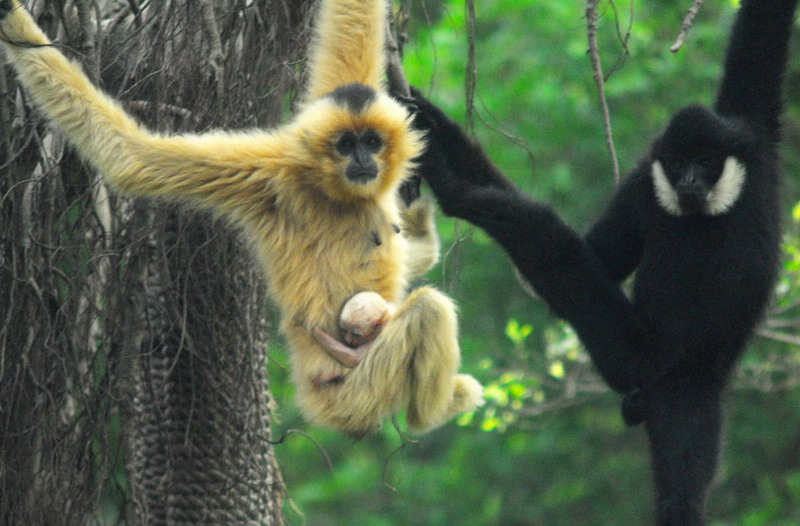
x=317, y=197
x=346, y=48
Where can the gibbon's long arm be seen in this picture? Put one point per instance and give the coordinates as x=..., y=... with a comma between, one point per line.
x=216, y=169
x=551, y=256
x=755, y=63
x=348, y=47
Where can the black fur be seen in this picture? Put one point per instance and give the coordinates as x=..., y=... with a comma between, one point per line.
x=702, y=281
x=5, y=8
x=354, y=96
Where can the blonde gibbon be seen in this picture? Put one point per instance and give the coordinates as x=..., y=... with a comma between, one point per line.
x=318, y=198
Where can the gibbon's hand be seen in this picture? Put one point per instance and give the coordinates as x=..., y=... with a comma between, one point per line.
x=410, y=189
x=5, y=8
x=455, y=166
x=347, y=356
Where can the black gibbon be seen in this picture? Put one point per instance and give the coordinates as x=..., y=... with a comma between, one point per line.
x=318, y=198
x=699, y=222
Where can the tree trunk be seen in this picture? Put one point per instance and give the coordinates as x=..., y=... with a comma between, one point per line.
x=133, y=334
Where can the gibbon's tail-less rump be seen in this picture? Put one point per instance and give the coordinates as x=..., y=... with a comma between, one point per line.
x=318, y=199
x=699, y=222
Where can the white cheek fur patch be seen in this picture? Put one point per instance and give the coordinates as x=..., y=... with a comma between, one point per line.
x=727, y=190
x=720, y=199
x=667, y=196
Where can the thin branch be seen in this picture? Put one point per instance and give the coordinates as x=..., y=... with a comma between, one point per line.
x=472, y=66
x=597, y=67
x=779, y=336
x=686, y=25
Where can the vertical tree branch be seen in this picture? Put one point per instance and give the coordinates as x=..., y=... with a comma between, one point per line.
x=398, y=84
x=472, y=67
x=216, y=56
x=88, y=38
x=597, y=67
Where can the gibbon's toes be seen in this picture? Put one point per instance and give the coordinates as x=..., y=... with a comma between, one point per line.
x=467, y=394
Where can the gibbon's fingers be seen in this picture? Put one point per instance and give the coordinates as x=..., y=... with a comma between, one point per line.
x=463, y=157
x=348, y=46
x=219, y=169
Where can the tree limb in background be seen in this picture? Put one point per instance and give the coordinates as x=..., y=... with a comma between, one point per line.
x=597, y=67
x=472, y=67
x=686, y=25
x=216, y=56
x=398, y=87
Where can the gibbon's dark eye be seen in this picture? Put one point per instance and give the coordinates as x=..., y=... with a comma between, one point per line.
x=372, y=140
x=678, y=163
x=346, y=143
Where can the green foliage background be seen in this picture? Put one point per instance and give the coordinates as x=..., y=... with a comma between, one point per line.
x=549, y=448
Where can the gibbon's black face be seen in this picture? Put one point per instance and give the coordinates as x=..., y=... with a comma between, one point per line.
x=693, y=170
x=360, y=147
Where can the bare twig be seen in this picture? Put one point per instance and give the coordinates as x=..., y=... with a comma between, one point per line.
x=597, y=67
x=623, y=38
x=779, y=336
x=472, y=67
x=686, y=25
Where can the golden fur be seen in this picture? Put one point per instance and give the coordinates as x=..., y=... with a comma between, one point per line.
x=314, y=231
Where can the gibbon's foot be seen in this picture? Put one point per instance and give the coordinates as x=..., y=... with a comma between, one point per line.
x=634, y=405
x=5, y=8
x=467, y=394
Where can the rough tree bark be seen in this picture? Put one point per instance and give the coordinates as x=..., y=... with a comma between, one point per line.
x=132, y=333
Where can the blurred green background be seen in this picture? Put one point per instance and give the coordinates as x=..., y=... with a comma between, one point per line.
x=549, y=448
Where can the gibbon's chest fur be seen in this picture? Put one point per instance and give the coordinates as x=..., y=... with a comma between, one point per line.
x=732, y=278
x=318, y=253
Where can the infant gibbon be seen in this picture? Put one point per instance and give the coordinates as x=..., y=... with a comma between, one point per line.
x=362, y=319
x=318, y=199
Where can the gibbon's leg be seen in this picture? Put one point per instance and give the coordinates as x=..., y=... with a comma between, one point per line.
x=414, y=360
x=551, y=256
x=419, y=227
x=684, y=425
